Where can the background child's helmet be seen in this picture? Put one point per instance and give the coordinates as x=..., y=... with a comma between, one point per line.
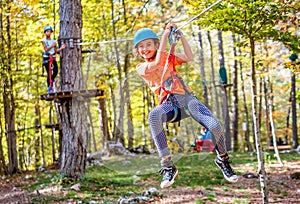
x=48, y=28
x=143, y=34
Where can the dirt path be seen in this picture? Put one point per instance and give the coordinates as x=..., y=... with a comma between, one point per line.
x=282, y=189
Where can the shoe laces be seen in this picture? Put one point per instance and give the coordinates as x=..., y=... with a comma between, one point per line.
x=167, y=171
x=228, y=168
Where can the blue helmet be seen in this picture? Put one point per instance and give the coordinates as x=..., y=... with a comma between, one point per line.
x=144, y=34
x=48, y=28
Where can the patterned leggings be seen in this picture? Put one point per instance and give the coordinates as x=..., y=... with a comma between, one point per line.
x=165, y=112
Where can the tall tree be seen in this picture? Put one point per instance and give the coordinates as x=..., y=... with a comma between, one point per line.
x=254, y=20
x=224, y=84
x=269, y=106
x=130, y=130
x=235, y=97
x=202, y=68
x=118, y=133
x=8, y=85
x=246, y=127
x=294, y=106
x=212, y=68
x=3, y=166
x=73, y=113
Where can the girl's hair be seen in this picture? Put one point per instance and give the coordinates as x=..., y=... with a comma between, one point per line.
x=136, y=52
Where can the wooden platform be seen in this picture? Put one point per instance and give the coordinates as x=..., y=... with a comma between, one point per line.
x=280, y=147
x=67, y=95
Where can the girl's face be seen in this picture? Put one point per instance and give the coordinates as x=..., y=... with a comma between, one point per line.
x=147, y=49
x=48, y=33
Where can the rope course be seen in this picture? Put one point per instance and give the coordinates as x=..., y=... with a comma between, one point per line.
x=84, y=94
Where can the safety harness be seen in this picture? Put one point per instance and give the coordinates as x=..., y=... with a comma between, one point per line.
x=50, y=68
x=179, y=113
x=173, y=39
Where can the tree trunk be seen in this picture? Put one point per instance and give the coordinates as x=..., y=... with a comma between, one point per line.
x=268, y=126
x=119, y=125
x=3, y=167
x=294, y=112
x=260, y=103
x=269, y=108
x=202, y=69
x=144, y=114
x=104, y=132
x=8, y=96
x=260, y=157
x=114, y=113
x=247, y=130
x=91, y=128
x=39, y=118
x=226, y=117
x=73, y=112
x=235, y=99
x=37, y=141
x=130, y=129
x=90, y=121
x=287, y=127
x=51, y=122
x=270, y=104
x=217, y=105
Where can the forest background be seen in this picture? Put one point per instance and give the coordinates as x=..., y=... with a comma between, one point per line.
x=109, y=64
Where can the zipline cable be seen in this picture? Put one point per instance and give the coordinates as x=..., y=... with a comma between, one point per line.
x=106, y=41
x=130, y=39
x=192, y=19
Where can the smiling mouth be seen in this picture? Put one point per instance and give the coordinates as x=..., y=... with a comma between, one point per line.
x=146, y=52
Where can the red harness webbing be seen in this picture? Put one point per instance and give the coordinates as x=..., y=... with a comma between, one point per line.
x=170, y=60
x=50, y=67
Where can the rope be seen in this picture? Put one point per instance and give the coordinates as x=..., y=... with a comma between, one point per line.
x=204, y=11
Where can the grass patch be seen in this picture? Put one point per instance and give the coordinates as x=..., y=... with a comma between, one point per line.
x=106, y=184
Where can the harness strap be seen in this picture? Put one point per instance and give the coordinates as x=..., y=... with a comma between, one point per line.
x=173, y=38
x=50, y=68
x=175, y=114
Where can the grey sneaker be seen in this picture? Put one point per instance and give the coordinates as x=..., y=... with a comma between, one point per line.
x=169, y=174
x=224, y=164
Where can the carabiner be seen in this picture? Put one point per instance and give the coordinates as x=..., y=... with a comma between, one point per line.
x=174, y=36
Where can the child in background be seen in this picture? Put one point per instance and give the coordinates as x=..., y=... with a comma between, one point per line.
x=49, y=61
x=175, y=99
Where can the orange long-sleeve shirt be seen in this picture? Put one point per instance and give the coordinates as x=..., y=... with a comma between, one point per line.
x=153, y=77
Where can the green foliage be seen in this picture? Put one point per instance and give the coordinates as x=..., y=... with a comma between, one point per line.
x=258, y=20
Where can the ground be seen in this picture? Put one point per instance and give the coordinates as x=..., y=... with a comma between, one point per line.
x=282, y=189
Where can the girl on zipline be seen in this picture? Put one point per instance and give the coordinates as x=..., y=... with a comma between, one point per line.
x=49, y=61
x=176, y=99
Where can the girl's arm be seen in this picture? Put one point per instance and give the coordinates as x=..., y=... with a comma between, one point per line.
x=163, y=42
x=48, y=48
x=60, y=49
x=159, y=59
x=188, y=54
